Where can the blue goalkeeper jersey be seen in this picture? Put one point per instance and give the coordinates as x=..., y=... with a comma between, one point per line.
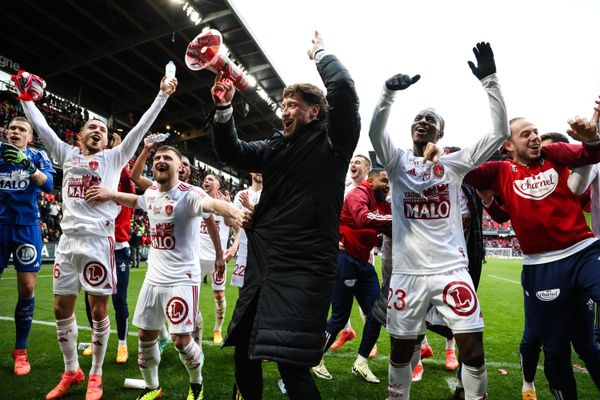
x=18, y=193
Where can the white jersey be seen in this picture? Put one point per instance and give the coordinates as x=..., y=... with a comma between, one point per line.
x=174, y=218
x=427, y=224
x=82, y=172
x=579, y=181
x=207, y=248
x=255, y=198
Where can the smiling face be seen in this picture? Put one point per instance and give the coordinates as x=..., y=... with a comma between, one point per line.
x=185, y=170
x=427, y=127
x=381, y=184
x=165, y=166
x=297, y=113
x=359, y=168
x=93, y=137
x=19, y=133
x=524, y=143
x=256, y=177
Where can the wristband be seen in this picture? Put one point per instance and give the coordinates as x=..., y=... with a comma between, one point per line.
x=222, y=107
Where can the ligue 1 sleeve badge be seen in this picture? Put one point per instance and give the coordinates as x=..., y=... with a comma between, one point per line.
x=438, y=170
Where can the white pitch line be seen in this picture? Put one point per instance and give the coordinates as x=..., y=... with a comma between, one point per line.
x=505, y=279
x=452, y=383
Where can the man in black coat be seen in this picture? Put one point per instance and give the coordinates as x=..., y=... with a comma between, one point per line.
x=293, y=244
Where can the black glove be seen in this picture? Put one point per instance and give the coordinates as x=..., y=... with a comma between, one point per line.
x=401, y=81
x=485, y=60
x=13, y=155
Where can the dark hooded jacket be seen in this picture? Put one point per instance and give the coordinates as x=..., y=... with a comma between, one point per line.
x=293, y=246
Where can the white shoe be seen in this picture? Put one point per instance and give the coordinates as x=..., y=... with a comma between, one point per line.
x=320, y=371
x=362, y=369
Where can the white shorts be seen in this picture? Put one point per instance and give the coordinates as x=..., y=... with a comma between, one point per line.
x=178, y=304
x=237, y=277
x=86, y=262
x=451, y=293
x=208, y=267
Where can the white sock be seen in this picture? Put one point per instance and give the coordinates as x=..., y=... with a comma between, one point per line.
x=360, y=359
x=198, y=326
x=416, y=357
x=100, y=334
x=348, y=326
x=474, y=381
x=122, y=343
x=192, y=358
x=163, y=334
x=400, y=378
x=424, y=342
x=450, y=344
x=220, y=307
x=66, y=332
x=148, y=360
x=528, y=386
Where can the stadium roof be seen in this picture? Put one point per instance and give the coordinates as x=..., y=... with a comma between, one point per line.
x=109, y=56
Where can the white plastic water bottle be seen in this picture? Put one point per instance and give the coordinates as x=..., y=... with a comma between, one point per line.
x=161, y=137
x=170, y=70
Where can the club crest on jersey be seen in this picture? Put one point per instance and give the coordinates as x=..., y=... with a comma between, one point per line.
x=537, y=187
x=176, y=310
x=94, y=273
x=548, y=294
x=438, y=170
x=169, y=209
x=93, y=165
x=460, y=297
x=26, y=254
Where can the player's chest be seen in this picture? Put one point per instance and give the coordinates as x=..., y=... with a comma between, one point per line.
x=164, y=208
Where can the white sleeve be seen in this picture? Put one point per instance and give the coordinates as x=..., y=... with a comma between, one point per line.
x=196, y=202
x=237, y=202
x=126, y=150
x=387, y=152
x=141, y=202
x=56, y=147
x=470, y=157
x=581, y=178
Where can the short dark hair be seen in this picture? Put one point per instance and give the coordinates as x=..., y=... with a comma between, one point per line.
x=309, y=93
x=22, y=119
x=166, y=147
x=555, y=137
x=375, y=172
x=217, y=178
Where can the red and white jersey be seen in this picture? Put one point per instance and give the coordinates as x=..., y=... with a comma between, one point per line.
x=207, y=248
x=426, y=210
x=255, y=198
x=82, y=172
x=545, y=214
x=174, y=218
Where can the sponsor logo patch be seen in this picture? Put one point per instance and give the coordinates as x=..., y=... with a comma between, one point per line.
x=176, y=310
x=548, y=294
x=350, y=282
x=537, y=187
x=26, y=254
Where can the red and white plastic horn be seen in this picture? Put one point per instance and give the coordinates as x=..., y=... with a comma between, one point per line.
x=203, y=52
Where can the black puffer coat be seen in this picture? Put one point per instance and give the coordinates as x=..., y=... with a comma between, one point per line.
x=293, y=247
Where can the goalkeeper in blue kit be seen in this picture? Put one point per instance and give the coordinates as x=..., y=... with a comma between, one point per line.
x=24, y=173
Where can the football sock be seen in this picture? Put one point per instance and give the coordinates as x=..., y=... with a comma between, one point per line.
x=100, y=334
x=416, y=357
x=23, y=318
x=475, y=381
x=424, y=342
x=191, y=358
x=148, y=360
x=450, y=344
x=66, y=332
x=122, y=343
x=198, y=325
x=220, y=307
x=163, y=334
x=400, y=378
x=528, y=386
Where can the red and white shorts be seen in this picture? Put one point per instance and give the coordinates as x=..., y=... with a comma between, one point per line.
x=208, y=267
x=176, y=304
x=451, y=293
x=237, y=277
x=86, y=262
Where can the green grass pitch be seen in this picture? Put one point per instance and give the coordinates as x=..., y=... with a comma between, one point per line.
x=499, y=292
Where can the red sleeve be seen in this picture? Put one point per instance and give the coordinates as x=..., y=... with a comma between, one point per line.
x=572, y=155
x=125, y=183
x=357, y=202
x=484, y=176
x=497, y=212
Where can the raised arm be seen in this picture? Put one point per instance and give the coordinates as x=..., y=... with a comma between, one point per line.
x=140, y=181
x=127, y=148
x=472, y=156
x=55, y=146
x=343, y=118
